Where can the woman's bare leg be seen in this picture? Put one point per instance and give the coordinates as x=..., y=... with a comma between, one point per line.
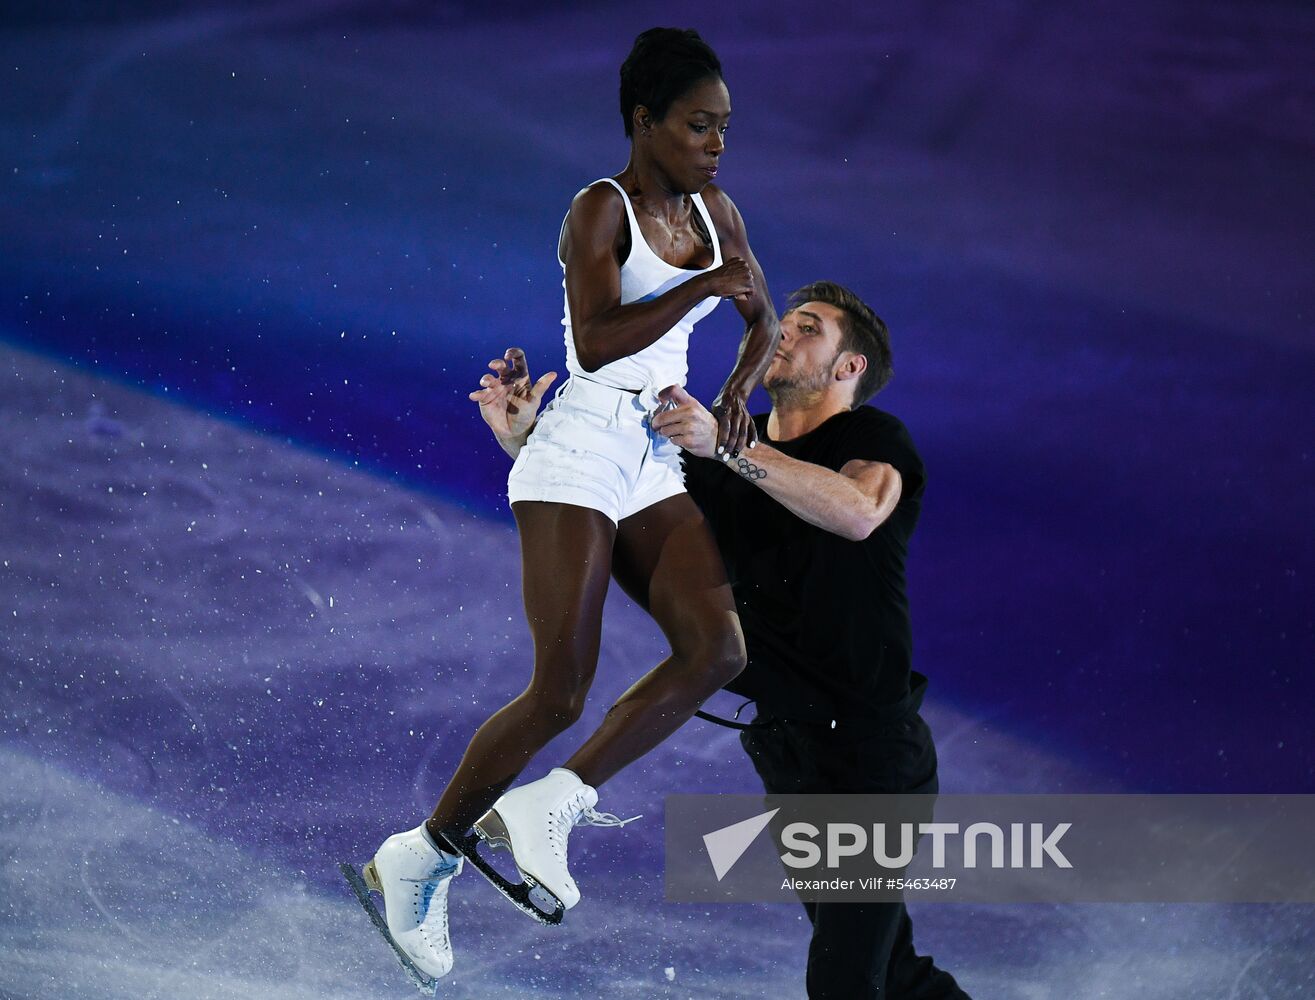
x=666, y=559
x=566, y=555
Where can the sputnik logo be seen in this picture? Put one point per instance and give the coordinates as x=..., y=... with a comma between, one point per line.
x=727, y=845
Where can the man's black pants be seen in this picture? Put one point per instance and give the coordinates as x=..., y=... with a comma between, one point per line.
x=858, y=950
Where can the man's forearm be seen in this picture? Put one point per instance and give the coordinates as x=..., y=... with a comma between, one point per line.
x=830, y=500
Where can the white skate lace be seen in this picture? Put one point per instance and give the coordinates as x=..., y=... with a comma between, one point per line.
x=578, y=814
x=592, y=817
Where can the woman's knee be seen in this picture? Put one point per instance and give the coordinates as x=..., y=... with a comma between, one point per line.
x=557, y=707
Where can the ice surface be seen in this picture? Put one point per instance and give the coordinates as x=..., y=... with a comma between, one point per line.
x=193, y=737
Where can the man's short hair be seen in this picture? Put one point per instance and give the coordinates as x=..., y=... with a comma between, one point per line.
x=862, y=331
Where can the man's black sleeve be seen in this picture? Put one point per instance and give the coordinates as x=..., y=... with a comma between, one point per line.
x=875, y=436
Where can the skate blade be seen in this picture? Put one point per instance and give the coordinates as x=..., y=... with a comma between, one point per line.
x=493, y=831
x=529, y=895
x=362, y=883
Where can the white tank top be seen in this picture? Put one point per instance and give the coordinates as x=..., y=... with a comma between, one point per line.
x=645, y=276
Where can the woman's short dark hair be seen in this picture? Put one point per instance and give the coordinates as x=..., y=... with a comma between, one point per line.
x=862, y=331
x=663, y=66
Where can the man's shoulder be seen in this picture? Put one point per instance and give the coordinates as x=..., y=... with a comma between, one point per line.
x=872, y=416
x=869, y=420
x=860, y=422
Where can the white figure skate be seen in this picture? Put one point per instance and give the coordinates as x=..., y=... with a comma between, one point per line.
x=533, y=823
x=413, y=876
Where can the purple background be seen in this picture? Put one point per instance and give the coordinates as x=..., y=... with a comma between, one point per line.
x=1088, y=226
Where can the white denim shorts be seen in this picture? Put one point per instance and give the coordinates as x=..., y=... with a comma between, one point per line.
x=593, y=447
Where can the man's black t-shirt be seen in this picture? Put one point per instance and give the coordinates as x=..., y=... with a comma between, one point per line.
x=826, y=620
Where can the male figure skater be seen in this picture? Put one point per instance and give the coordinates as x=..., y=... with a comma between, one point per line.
x=813, y=523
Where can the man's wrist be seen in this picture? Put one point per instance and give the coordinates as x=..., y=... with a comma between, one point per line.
x=752, y=465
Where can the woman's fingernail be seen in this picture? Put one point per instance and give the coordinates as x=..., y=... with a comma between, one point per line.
x=753, y=444
x=720, y=449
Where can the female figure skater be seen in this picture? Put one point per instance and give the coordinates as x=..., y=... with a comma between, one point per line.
x=595, y=491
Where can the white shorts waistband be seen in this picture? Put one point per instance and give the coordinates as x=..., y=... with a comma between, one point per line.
x=618, y=403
